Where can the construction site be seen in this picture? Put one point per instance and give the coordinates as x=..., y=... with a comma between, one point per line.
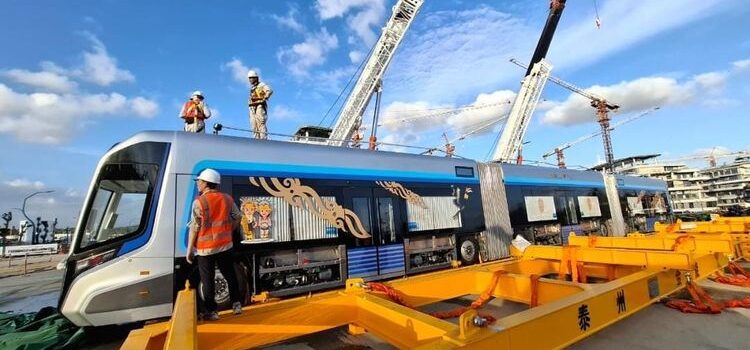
x=222, y=237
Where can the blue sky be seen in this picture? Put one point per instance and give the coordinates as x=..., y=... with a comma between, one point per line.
x=76, y=77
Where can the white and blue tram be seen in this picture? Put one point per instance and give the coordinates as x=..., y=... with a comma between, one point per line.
x=313, y=216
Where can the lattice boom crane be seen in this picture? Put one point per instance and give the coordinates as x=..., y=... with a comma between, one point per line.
x=602, y=112
x=351, y=114
x=511, y=140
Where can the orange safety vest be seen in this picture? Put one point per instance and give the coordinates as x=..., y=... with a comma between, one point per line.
x=191, y=111
x=257, y=95
x=215, y=235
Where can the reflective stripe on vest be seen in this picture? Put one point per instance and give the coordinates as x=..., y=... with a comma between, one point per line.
x=215, y=234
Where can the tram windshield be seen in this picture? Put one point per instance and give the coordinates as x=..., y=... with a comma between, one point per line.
x=120, y=203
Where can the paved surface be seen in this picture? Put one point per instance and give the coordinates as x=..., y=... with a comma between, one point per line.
x=30, y=293
x=19, y=265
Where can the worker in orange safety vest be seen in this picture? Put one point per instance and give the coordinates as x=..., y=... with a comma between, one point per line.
x=194, y=112
x=214, y=217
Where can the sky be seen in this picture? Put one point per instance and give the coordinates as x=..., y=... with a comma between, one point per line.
x=77, y=77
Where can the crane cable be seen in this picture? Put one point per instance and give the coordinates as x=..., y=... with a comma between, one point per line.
x=597, y=21
x=444, y=113
x=344, y=89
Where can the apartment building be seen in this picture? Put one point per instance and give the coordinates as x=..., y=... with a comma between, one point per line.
x=730, y=183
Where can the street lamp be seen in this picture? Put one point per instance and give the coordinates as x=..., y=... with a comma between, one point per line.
x=23, y=211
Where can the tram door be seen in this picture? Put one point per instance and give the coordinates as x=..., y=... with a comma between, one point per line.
x=381, y=255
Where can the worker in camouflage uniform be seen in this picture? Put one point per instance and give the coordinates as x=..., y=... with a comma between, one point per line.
x=258, y=102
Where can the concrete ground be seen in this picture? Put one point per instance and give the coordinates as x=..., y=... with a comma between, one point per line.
x=656, y=327
x=19, y=265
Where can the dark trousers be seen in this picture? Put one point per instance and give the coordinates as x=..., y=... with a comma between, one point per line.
x=207, y=267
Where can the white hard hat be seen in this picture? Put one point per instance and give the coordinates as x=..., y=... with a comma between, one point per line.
x=198, y=93
x=252, y=74
x=210, y=175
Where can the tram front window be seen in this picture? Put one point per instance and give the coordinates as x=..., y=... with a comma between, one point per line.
x=120, y=204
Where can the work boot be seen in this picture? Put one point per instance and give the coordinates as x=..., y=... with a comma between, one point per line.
x=237, y=308
x=211, y=316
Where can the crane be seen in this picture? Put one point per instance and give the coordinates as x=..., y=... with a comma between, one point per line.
x=711, y=157
x=602, y=107
x=450, y=146
x=558, y=151
x=350, y=118
x=525, y=103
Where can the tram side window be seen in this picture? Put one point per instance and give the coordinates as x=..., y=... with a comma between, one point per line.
x=361, y=207
x=386, y=221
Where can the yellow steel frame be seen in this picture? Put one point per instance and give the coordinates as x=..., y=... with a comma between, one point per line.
x=638, y=271
x=737, y=227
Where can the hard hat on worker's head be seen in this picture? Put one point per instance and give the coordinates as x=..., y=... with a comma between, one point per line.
x=209, y=175
x=197, y=93
x=252, y=74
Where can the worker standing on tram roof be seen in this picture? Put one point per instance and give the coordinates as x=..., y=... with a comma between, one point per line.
x=194, y=112
x=214, y=217
x=260, y=92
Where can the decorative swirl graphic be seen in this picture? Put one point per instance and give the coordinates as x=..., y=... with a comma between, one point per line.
x=403, y=192
x=305, y=197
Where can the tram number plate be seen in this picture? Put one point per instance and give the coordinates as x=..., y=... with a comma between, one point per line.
x=653, y=288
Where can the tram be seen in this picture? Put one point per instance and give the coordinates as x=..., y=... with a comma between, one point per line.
x=312, y=217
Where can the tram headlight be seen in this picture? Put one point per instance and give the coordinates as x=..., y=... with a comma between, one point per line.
x=94, y=260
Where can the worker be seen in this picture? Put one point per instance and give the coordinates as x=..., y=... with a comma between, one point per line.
x=194, y=112
x=214, y=217
x=260, y=92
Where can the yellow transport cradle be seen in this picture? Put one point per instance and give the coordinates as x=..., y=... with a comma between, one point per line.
x=630, y=274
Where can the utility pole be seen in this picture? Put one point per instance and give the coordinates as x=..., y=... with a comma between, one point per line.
x=23, y=211
x=7, y=217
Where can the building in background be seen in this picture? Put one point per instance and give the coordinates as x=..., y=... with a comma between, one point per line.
x=730, y=183
x=688, y=187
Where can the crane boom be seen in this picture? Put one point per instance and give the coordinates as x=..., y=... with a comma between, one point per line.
x=351, y=114
x=511, y=140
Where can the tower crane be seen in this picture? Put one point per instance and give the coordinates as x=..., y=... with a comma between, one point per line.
x=602, y=107
x=558, y=151
x=350, y=118
x=531, y=89
x=711, y=157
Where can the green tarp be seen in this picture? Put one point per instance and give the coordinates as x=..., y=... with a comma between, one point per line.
x=43, y=330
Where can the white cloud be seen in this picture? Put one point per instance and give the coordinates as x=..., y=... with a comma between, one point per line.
x=290, y=20
x=368, y=14
x=300, y=57
x=404, y=119
x=474, y=45
x=238, y=70
x=99, y=67
x=144, y=107
x=25, y=183
x=631, y=96
x=741, y=65
x=45, y=80
x=644, y=93
x=447, y=49
x=51, y=118
x=283, y=112
x=712, y=82
x=356, y=56
x=625, y=23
